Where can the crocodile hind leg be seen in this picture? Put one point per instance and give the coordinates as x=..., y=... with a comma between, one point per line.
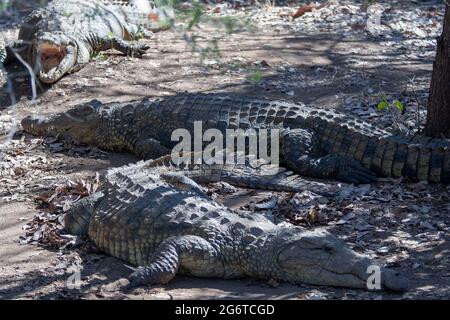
x=301, y=152
x=191, y=255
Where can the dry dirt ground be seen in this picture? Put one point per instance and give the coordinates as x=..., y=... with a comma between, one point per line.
x=405, y=226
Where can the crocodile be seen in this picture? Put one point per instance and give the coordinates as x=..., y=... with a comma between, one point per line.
x=3, y=53
x=244, y=174
x=163, y=224
x=65, y=35
x=313, y=142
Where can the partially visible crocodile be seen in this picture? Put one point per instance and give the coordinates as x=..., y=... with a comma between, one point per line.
x=2, y=50
x=165, y=224
x=314, y=142
x=244, y=175
x=63, y=36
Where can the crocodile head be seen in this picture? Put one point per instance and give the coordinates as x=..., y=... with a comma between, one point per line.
x=55, y=55
x=79, y=124
x=317, y=257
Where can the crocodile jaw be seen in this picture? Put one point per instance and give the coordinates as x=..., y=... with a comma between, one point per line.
x=54, y=60
x=317, y=257
x=50, y=55
x=58, y=65
x=79, y=124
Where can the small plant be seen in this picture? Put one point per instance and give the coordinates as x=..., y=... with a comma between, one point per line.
x=255, y=76
x=3, y=6
x=396, y=111
x=384, y=104
x=235, y=64
x=231, y=24
x=195, y=15
x=99, y=56
x=211, y=51
x=165, y=23
x=167, y=3
x=191, y=14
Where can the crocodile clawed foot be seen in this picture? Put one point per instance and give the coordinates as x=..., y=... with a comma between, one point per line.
x=352, y=171
x=136, y=279
x=141, y=50
x=183, y=183
x=133, y=283
x=145, y=276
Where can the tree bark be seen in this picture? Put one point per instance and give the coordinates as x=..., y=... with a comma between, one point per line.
x=438, y=118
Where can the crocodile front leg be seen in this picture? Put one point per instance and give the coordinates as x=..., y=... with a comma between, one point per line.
x=301, y=152
x=126, y=47
x=183, y=183
x=190, y=254
x=78, y=217
x=150, y=149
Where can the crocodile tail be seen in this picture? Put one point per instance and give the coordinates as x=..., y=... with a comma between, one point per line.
x=281, y=180
x=247, y=176
x=423, y=158
x=415, y=158
x=144, y=13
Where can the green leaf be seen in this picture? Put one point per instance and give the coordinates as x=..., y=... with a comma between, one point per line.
x=230, y=24
x=195, y=14
x=398, y=105
x=382, y=105
x=255, y=77
x=166, y=3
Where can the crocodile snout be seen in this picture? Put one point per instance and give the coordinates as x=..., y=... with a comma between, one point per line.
x=34, y=124
x=392, y=280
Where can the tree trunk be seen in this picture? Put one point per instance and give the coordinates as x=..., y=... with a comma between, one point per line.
x=438, y=119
